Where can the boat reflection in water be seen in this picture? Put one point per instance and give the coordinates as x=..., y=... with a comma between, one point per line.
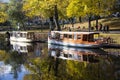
x=35, y=49
x=21, y=47
x=76, y=54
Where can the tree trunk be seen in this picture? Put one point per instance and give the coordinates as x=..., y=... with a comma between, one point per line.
x=41, y=25
x=80, y=19
x=72, y=22
x=96, y=20
x=63, y=23
x=24, y=28
x=56, y=18
x=89, y=23
x=51, y=24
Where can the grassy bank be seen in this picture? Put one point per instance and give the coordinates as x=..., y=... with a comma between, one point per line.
x=115, y=37
x=114, y=23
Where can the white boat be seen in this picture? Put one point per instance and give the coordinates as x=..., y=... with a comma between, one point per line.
x=22, y=36
x=76, y=39
x=76, y=54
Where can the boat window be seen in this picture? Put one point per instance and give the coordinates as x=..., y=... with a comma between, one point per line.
x=65, y=35
x=24, y=35
x=15, y=34
x=84, y=37
x=70, y=55
x=66, y=55
x=70, y=36
x=75, y=36
x=57, y=35
x=20, y=34
x=78, y=36
x=21, y=48
x=90, y=38
x=61, y=36
x=85, y=58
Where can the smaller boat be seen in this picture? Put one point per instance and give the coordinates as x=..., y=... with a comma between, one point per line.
x=76, y=39
x=22, y=36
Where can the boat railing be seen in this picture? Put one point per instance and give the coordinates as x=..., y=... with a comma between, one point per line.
x=107, y=40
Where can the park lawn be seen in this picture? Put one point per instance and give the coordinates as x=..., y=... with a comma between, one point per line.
x=115, y=37
x=114, y=23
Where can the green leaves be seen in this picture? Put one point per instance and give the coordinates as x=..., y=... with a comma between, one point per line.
x=15, y=13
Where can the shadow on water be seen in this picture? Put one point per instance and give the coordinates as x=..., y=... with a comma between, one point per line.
x=40, y=61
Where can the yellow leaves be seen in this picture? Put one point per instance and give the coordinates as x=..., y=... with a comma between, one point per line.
x=75, y=8
x=88, y=7
x=37, y=60
x=44, y=8
x=71, y=9
x=33, y=7
x=85, y=8
x=2, y=55
x=29, y=7
x=3, y=17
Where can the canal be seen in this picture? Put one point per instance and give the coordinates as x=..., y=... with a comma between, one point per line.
x=40, y=61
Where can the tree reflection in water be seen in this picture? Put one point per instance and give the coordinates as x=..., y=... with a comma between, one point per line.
x=55, y=66
x=16, y=61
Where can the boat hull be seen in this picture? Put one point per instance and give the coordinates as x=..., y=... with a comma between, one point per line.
x=50, y=41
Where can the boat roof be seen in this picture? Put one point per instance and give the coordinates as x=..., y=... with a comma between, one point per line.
x=71, y=32
x=20, y=32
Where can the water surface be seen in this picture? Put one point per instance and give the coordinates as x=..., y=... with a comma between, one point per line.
x=40, y=61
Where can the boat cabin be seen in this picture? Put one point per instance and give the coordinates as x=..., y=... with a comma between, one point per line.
x=75, y=36
x=22, y=34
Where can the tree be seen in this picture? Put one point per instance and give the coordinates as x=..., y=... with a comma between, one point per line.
x=89, y=8
x=103, y=8
x=52, y=9
x=116, y=7
x=75, y=9
x=16, y=15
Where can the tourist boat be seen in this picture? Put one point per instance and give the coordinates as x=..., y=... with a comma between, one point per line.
x=76, y=54
x=76, y=39
x=22, y=36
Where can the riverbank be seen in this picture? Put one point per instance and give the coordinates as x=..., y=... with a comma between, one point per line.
x=114, y=36
x=114, y=24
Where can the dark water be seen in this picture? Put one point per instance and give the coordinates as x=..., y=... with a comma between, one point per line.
x=40, y=61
